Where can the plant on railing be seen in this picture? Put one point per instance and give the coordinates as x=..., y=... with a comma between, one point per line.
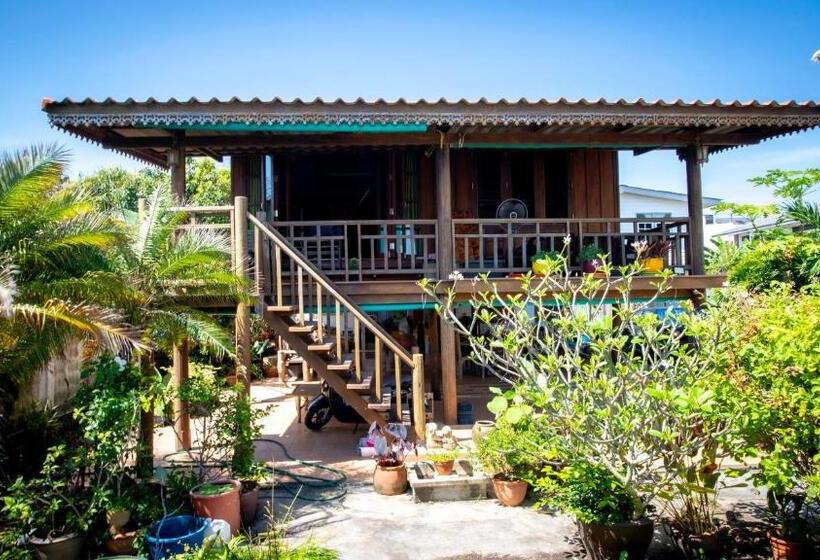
x=589, y=257
x=623, y=389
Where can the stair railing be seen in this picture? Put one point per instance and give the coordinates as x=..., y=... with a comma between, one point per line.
x=289, y=278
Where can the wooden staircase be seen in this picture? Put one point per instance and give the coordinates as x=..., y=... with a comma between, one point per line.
x=302, y=306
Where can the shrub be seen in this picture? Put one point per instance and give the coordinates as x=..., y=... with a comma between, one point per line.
x=773, y=363
x=624, y=390
x=774, y=258
x=516, y=451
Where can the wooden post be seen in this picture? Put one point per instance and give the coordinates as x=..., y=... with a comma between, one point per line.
x=243, y=315
x=694, y=196
x=176, y=162
x=182, y=418
x=145, y=456
x=539, y=186
x=419, y=419
x=449, y=390
x=444, y=213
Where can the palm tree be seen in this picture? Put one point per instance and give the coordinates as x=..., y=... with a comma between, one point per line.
x=56, y=284
x=172, y=275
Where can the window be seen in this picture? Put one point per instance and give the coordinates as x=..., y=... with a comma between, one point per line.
x=650, y=225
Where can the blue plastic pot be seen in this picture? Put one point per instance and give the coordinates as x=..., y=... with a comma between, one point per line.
x=175, y=534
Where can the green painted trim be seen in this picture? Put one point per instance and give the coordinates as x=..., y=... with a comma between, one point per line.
x=376, y=307
x=318, y=127
x=538, y=146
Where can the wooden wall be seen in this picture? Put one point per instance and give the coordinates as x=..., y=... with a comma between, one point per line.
x=593, y=184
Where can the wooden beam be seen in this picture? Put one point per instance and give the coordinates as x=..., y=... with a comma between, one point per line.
x=656, y=140
x=449, y=388
x=694, y=196
x=419, y=419
x=182, y=416
x=444, y=212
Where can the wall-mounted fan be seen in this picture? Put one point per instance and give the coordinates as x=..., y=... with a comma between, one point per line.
x=511, y=209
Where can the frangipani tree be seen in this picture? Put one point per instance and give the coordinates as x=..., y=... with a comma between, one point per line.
x=617, y=386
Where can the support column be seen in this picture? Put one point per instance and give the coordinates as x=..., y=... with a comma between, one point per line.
x=145, y=455
x=449, y=365
x=182, y=416
x=243, y=314
x=694, y=196
x=444, y=213
x=176, y=162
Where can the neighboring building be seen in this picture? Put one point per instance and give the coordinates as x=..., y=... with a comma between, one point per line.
x=349, y=203
x=742, y=233
x=654, y=205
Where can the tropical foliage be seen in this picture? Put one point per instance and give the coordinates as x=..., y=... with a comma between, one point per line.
x=56, y=282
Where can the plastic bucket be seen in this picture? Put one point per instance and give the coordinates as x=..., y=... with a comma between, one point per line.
x=175, y=534
x=464, y=413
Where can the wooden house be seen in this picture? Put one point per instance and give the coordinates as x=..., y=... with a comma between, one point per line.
x=344, y=205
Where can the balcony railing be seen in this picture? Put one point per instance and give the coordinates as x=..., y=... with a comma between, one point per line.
x=507, y=246
x=363, y=249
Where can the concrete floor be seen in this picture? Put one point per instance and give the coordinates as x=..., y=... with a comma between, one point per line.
x=363, y=524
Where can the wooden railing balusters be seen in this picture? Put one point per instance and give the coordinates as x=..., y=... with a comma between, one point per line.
x=377, y=369
x=397, y=373
x=357, y=356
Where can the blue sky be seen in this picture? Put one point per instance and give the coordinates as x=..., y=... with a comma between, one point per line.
x=718, y=49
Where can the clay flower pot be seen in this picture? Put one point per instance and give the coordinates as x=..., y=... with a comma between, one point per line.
x=66, y=547
x=715, y=545
x=390, y=478
x=444, y=468
x=510, y=493
x=608, y=542
x=208, y=502
x=121, y=543
x=248, y=502
x=590, y=267
x=783, y=549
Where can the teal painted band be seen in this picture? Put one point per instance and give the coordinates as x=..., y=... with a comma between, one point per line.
x=300, y=127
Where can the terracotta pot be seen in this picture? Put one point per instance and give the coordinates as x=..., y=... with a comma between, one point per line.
x=510, y=493
x=121, y=543
x=607, y=542
x=219, y=506
x=445, y=468
x=390, y=479
x=783, y=549
x=67, y=547
x=248, y=502
x=230, y=380
x=118, y=519
x=653, y=264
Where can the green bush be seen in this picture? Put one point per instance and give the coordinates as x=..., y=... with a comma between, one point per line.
x=264, y=548
x=515, y=451
x=774, y=258
x=588, y=492
x=773, y=363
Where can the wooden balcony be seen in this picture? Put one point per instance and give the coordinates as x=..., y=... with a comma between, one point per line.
x=368, y=250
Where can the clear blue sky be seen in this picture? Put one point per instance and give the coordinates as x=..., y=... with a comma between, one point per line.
x=749, y=49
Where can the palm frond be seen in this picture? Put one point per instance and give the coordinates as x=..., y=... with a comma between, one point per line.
x=8, y=288
x=169, y=324
x=194, y=250
x=806, y=213
x=101, y=324
x=27, y=175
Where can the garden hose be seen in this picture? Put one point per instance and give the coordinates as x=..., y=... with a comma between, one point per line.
x=338, y=480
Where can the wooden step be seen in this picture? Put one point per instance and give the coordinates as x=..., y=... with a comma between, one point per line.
x=379, y=407
x=343, y=367
x=356, y=386
x=281, y=309
x=322, y=347
x=301, y=329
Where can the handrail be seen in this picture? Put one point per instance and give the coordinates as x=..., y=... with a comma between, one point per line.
x=329, y=286
x=523, y=221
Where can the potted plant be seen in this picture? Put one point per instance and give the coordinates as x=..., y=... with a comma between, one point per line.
x=652, y=257
x=443, y=460
x=589, y=258
x=218, y=499
x=692, y=504
x=543, y=262
x=510, y=453
x=53, y=511
x=391, y=447
x=603, y=508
